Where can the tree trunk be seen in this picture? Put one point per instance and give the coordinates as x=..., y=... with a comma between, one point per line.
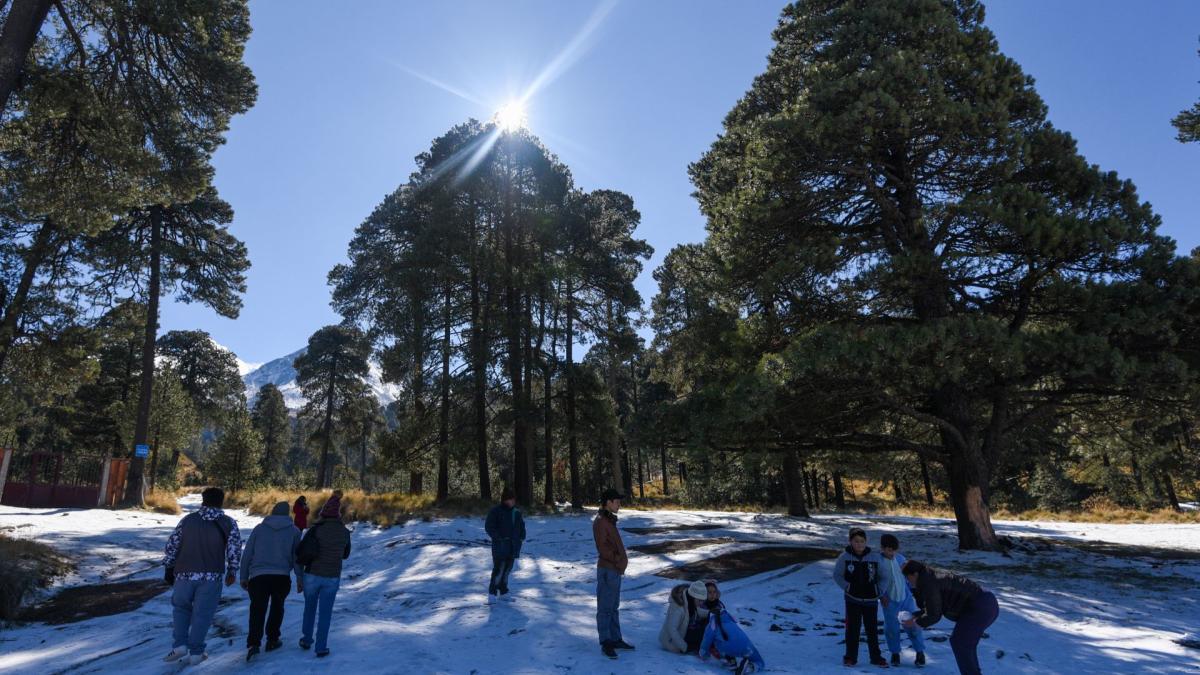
x=839, y=491
x=1137, y=472
x=805, y=489
x=815, y=489
x=641, y=477
x=14, y=307
x=572, y=441
x=618, y=479
x=135, y=493
x=443, y=480
x=154, y=462
x=666, y=479
x=925, y=480
x=21, y=28
x=547, y=407
x=327, y=442
x=899, y=494
x=793, y=485
x=479, y=370
x=416, y=482
x=968, y=494
x=1169, y=485
x=362, y=465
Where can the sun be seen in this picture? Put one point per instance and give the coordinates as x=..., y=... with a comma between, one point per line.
x=511, y=116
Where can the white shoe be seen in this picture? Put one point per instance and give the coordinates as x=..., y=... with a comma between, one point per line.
x=197, y=659
x=491, y=599
x=175, y=654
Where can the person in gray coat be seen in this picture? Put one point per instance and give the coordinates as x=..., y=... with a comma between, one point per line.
x=267, y=565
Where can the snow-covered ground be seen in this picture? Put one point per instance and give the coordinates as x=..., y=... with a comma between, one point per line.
x=412, y=599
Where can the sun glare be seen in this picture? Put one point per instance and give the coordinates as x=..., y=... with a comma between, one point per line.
x=511, y=116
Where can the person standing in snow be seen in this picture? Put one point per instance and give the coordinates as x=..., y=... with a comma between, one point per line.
x=330, y=540
x=724, y=638
x=895, y=596
x=205, y=546
x=267, y=566
x=857, y=573
x=506, y=528
x=970, y=606
x=300, y=513
x=610, y=567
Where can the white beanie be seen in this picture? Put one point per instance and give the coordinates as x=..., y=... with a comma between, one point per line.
x=698, y=590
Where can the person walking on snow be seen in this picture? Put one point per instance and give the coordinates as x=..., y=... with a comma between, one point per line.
x=205, y=546
x=610, y=567
x=895, y=597
x=970, y=606
x=267, y=566
x=857, y=573
x=300, y=513
x=506, y=528
x=330, y=545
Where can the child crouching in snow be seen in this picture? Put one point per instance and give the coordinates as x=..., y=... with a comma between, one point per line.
x=726, y=639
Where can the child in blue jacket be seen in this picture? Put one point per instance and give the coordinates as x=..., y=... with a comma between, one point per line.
x=727, y=638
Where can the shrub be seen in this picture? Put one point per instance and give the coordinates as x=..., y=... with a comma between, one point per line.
x=26, y=565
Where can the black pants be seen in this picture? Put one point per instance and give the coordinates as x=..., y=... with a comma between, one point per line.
x=500, y=569
x=862, y=616
x=264, y=589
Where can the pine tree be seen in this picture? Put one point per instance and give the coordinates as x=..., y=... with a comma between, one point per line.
x=270, y=418
x=1187, y=122
x=236, y=461
x=330, y=373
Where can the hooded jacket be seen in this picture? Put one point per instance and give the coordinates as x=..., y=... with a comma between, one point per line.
x=858, y=575
x=271, y=548
x=506, y=527
x=673, y=635
x=940, y=593
x=892, y=583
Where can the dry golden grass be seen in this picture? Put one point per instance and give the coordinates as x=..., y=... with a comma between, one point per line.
x=163, y=501
x=24, y=566
x=383, y=509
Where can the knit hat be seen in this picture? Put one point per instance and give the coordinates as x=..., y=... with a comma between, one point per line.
x=332, y=508
x=281, y=509
x=698, y=590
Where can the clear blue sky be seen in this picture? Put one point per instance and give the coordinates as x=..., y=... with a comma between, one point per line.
x=345, y=104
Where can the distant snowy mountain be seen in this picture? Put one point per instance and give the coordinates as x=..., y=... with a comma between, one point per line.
x=281, y=373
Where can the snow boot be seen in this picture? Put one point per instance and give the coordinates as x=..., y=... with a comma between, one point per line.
x=608, y=650
x=305, y=645
x=251, y=652
x=621, y=644
x=920, y=660
x=879, y=661
x=895, y=660
x=322, y=654
x=175, y=654
x=272, y=645
x=849, y=661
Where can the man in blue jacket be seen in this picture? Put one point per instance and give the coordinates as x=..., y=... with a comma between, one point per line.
x=506, y=528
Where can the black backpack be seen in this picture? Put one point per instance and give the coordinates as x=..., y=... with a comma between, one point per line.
x=309, y=547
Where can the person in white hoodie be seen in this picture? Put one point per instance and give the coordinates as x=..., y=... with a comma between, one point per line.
x=896, y=597
x=267, y=565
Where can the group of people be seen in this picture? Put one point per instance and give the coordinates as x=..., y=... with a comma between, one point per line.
x=913, y=596
x=206, y=548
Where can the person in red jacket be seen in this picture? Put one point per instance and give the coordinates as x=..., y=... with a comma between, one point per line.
x=300, y=512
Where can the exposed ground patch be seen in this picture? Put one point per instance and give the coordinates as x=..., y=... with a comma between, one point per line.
x=677, y=545
x=80, y=603
x=671, y=528
x=739, y=564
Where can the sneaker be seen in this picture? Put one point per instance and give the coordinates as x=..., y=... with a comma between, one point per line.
x=322, y=654
x=197, y=659
x=608, y=650
x=305, y=644
x=621, y=644
x=849, y=661
x=251, y=652
x=920, y=659
x=491, y=600
x=272, y=645
x=895, y=660
x=879, y=661
x=175, y=654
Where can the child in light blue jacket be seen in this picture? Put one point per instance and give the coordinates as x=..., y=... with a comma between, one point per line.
x=896, y=597
x=729, y=640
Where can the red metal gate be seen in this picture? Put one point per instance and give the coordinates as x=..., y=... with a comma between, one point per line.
x=45, y=479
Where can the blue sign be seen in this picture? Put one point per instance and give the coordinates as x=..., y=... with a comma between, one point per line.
x=141, y=451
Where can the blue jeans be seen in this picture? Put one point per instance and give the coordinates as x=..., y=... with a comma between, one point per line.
x=964, y=640
x=193, y=605
x=500, y=570
x=608, y=604
x=891, y=624
x=319, y=593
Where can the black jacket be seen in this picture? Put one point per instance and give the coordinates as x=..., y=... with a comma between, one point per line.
x=940, y=593
x=333, y=541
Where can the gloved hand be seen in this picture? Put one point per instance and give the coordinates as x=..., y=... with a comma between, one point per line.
x=169, y=576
